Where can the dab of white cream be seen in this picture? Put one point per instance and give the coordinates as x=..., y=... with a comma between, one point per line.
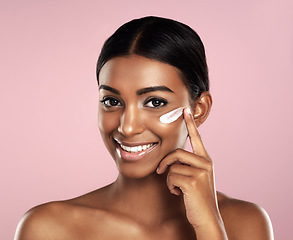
x=171, y=116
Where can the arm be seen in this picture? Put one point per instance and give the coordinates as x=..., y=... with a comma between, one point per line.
x=192, y=175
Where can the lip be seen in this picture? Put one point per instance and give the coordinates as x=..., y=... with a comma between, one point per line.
x=129, y=156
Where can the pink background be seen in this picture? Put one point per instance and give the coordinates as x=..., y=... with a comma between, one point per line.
x=50, y=143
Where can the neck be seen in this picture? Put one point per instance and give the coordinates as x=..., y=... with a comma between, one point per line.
x=147, y=200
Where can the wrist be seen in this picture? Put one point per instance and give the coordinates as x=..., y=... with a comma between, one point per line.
x=212, y=230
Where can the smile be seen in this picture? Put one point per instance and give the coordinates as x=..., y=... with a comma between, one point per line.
x=136, y=149
x=132, y=151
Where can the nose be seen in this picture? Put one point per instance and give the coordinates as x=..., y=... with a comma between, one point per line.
x=130, y=122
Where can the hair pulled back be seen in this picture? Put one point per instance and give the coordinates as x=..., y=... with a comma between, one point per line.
x=164, y=40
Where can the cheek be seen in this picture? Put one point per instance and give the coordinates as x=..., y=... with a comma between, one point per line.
x=106, y=124
x=172, y=135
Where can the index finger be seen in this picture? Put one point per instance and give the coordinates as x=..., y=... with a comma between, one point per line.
x=194, y=137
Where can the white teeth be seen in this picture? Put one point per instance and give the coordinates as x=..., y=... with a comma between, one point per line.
x=136, y=148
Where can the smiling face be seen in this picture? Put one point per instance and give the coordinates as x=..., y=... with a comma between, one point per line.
x=134, y=93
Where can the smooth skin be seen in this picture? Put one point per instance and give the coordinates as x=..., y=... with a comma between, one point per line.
x=167, y=194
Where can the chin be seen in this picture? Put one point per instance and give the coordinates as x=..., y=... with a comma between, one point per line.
x=134, y=171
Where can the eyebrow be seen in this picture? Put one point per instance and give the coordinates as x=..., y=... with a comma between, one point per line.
x=110, y=89
x=153, y=89
x=140, y=91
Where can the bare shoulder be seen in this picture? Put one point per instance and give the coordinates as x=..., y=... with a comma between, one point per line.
x=69, y=219
x=244, y=220
x=42, y=222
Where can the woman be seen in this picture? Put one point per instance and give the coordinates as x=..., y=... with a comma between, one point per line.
x=148, y=68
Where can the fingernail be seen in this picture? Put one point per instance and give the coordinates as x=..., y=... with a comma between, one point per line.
x=158, y=171
x=188, y=111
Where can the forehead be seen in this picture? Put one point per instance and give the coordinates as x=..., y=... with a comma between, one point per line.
x=134, y=72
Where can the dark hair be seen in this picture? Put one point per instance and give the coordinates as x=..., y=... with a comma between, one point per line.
x=164, y=40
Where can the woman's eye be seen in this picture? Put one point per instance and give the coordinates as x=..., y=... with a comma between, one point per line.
x=111, y=102
x=156, y=103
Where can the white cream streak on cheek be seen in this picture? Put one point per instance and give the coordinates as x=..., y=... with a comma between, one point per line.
x=171, y=116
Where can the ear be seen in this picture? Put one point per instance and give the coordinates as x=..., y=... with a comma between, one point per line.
x=202, y=108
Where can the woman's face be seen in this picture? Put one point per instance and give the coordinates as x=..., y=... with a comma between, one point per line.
x=134, y=93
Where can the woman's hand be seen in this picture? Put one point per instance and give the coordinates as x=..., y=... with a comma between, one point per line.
x=192, y=175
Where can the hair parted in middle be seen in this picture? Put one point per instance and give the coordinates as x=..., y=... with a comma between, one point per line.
x=164, y=40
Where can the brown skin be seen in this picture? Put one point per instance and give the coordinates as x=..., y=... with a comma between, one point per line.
x=167, y=194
